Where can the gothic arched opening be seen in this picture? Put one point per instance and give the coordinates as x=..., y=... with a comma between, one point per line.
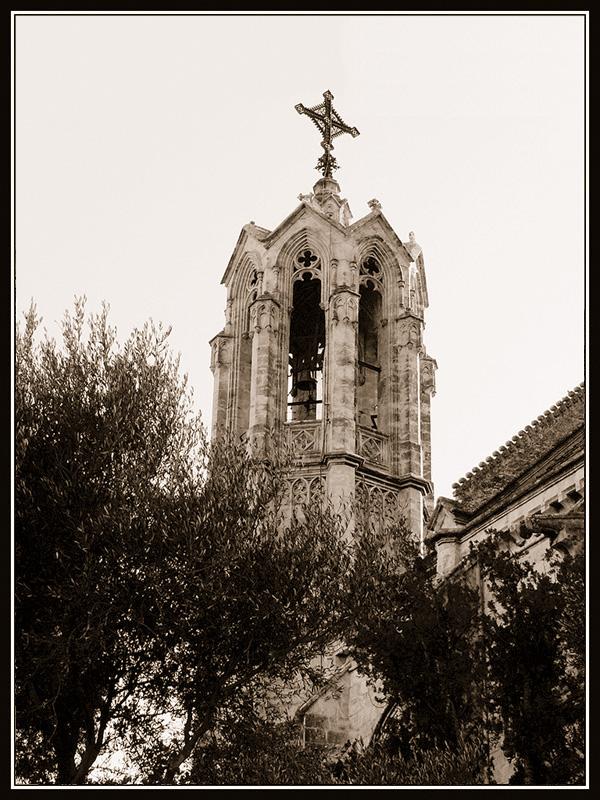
x=306, y=351
x=369, y=366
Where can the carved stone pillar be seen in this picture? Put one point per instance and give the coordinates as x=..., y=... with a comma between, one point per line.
x=341, y=483
x=220, y=365
x=404, y=417
x=265, y=321
x=341, y=371
x=427, y=370
x=448, y=554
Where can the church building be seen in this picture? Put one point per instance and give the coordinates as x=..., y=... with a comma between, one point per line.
x=323, y=347
x=532, y=489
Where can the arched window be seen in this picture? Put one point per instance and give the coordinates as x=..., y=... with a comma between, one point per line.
x=306, y=350
x=369, y=366
x=369, y=383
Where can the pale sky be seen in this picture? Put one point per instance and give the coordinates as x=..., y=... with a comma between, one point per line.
x=145, y=143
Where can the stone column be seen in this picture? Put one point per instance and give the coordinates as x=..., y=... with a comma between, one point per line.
x=427, y=370
x=340, y=441
x=341, y=371
x=220, y=365
x=341, y=481
x=404, y=418
x=241, y=390
x=405, y=429
x=448, y=553
x=264, y=386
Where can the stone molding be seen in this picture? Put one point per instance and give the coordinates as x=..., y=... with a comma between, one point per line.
x=414, y=482
x=347, y=459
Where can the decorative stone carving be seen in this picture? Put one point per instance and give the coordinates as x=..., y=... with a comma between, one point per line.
x=217, y=351
x=316, y=490
x=371, y=283
x=214, y=349
x=410, y=335
x=263, y=317
x=353, y=274
x=401, y=284
x=306, y=259
x=371, y=274
x=303, y=440
x=331, y=209
x=333, y=266
x=413, y=247
x=303, y=490
x=374, y=205
x=370, y=266
x=305, y=437
x=372, y=445
x=299, y=492
x=390, y=509
x=371, y=449
x=428, y=375
x=375, y=506
x=344, y=308
x=361, y=502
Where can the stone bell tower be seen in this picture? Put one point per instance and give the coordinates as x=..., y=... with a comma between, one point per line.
x=323, y=343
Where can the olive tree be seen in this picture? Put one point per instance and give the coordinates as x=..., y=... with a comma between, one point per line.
x=158, y=584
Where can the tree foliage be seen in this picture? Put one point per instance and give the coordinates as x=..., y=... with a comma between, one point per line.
x=267, y=753
x=259, y=751
x=535, y=630
x=251, y=598
x=167, y=604
x=494, y=654
x=459, y=764
x=157, y=581
x=100, y=433
x=419, y=639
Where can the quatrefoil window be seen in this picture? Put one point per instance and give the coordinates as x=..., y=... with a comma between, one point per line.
x=370, y=267
x=307, y=260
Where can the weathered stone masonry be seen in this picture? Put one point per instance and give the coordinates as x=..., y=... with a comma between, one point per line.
x=323, y=344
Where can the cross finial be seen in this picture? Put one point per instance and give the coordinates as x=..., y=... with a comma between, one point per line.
x=330, y=124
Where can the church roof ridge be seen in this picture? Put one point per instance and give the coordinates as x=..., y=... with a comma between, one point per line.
x=512, y=458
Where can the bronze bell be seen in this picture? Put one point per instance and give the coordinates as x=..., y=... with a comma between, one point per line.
x=305, y=381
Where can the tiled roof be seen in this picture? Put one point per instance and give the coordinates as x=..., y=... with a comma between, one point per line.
x=522, y=451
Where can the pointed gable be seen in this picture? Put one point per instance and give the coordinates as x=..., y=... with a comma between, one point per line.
x=376, y=223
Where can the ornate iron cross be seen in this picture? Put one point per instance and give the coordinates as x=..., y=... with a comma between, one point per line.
x=330, y=124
